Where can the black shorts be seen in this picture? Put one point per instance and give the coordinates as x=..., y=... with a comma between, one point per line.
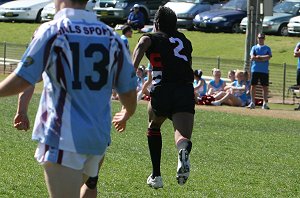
x=167, y=100
x=262, y=77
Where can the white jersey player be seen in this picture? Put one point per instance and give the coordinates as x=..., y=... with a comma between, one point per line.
x=80, y=60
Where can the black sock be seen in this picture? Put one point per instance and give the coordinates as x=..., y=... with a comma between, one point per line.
x=184, y=144
x=155, y=145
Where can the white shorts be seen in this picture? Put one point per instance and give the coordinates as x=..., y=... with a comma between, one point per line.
x=87, y=163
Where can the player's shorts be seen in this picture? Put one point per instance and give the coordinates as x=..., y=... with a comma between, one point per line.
x=169, y=99
x=262, y=77
x=88, y=163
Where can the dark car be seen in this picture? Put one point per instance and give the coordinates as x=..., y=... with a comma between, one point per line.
x=4, y=1
x=117, y=11
x=186, y=10
x=226, y=19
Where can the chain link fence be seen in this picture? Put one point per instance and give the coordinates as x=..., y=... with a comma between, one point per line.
x=282, y=76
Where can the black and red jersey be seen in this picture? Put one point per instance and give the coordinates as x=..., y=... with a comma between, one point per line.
x=171, y=58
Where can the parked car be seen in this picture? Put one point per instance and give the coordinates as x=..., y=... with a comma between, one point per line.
x=23, y=10
x=4, y=1
x=277, y=24
x=186, y=10
x=226, y=19
x=294, y=26
x=49, y=10
x=117, y=11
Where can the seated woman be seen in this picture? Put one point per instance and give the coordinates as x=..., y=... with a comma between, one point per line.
x=236, y=95
x=200, y=86
x=148, y=83
x=140, y=81
x=231, y=75
x=216, y=86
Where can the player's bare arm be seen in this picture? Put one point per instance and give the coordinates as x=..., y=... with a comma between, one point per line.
x=140, y=49
x=13, y=85
x=21, y=120
x=128, y=100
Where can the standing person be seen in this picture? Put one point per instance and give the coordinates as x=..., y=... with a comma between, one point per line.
x=136, y=18
x=73, y=121
x=260, y=56
x=297, y=55
x=126, y=33
x=172, y=93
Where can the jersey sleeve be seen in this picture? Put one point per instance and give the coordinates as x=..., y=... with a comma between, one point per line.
x=126, y=79
x=32, y=63
x=297, y=47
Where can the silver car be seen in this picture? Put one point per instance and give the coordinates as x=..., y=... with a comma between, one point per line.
x=23, y=10
x=282, y=13
x=49, y=10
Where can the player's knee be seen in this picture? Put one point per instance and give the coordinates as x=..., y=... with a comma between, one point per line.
x=91, y=183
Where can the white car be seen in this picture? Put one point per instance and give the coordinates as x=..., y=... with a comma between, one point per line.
x=23, y=10
x=49, y=10
x=294, y=26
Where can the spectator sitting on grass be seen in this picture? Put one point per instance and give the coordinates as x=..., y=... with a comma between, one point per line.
x=200, y=86
x=216, y=85
x=231, y=75
x=136, y=18
x=236, y=95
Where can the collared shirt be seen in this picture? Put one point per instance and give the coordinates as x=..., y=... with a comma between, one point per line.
x=80, y=59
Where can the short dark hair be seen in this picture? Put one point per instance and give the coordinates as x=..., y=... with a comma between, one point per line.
x=166, y=19
x=198, y=73
x=126, y=29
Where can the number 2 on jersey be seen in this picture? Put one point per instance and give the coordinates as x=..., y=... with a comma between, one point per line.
x=178, y=48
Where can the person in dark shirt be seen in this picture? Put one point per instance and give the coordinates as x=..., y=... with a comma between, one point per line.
x=172, y=92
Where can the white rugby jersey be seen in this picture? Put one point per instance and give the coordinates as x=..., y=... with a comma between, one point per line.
x=80, y=60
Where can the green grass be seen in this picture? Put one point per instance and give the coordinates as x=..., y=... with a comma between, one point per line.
x=232, y=156
x=225, y=45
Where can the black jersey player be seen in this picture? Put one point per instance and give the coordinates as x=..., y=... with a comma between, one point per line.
x=172, y=93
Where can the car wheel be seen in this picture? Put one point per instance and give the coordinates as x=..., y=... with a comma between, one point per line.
x=236, y=28
x=38, y=18
x=283, y=30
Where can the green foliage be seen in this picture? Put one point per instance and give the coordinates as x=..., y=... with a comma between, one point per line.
x=233, y=156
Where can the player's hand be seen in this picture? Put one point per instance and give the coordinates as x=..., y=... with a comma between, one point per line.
x=21, y=122
x=119, y=120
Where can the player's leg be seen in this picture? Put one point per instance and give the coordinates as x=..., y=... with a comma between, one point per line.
x=183, y=108
x=62, y=181
x=183, y=125
x=254, y=81
x=264, y=80
x=89, y=188
x=155, y=146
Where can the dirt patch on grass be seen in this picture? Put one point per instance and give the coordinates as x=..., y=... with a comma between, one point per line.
x=284, y=114
x=290, y=114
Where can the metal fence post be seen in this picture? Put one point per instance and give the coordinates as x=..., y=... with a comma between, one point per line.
x=218, y=62
x=284, y=79
x=4, y=57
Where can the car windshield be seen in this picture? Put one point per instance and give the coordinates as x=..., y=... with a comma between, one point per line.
x=286, y=7
x=236, y=5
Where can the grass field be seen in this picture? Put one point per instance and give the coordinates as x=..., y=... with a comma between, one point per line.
x=233, y=156
x=225, y=45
